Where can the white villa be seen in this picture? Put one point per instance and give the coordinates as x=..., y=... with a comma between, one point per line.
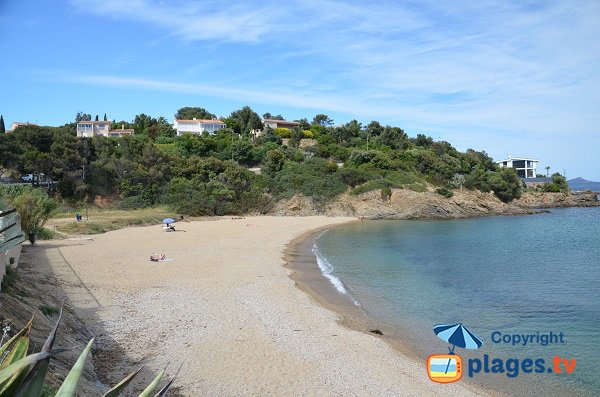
x=88, y=129
x=198, y=126
x=526, y=168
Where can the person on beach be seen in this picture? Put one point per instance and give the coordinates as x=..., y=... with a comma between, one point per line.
x=155, y=257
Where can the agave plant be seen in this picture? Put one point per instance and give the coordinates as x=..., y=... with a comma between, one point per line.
x=23, y=375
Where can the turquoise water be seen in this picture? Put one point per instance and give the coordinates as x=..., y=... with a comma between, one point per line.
x=514, y=275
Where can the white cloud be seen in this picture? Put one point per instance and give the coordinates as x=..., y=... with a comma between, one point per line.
x=189, y=20
x=490, y=66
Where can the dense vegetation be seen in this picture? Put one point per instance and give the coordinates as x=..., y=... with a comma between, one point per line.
x=200, y=175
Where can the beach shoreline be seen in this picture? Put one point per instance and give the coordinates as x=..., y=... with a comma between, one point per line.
x=227, y=310
x=309, y=278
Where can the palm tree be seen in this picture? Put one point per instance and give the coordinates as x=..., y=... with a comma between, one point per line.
x=547, y=170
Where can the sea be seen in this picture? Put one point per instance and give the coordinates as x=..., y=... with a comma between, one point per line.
x=527, y=286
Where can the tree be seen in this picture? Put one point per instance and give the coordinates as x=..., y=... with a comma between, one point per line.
x=247, y=120
x=189, y=113
x=271, y=117
x=322, y=119
x=83, y=117
x=547, y=170
x=274, y=162
x=96, y=118
x=2, y=126
x=304, y=124
x=296, y=135
x=105, y=118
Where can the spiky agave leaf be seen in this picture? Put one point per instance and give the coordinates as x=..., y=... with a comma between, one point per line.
x=34, y=381
x=69, y=386
x=163, y=392
x=148, y=390
x=115, y=391
x=14, y=338
x=18, y=351
x=9, y=371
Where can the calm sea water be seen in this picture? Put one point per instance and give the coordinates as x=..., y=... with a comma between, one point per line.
x=514, y=275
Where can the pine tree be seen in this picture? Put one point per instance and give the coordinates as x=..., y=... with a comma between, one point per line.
x=2, y=126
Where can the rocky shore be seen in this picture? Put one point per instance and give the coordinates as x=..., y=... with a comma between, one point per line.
x=407, y=204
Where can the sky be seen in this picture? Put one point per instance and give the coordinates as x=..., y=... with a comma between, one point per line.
x=508, y=77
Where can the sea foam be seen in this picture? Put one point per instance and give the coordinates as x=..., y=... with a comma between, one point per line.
x=327, y=271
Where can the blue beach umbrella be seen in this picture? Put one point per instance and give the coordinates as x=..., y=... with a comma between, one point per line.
x=168, y=220
x=457, y=335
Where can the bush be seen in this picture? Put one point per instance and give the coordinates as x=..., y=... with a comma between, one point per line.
x=46, y=234
x=33, y=205
x=505, y=183
x=551, y=188
x=314, y=178
x=444, y=192
x=375, y=184
x=283, y=132
x=133, y=203
x=559, y=184
x=386, y=193
x=353, y=176
x=417, y=187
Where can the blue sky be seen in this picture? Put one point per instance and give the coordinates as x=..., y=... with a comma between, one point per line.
x=518, y=77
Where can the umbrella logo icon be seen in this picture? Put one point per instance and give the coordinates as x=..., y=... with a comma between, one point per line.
x=447, y=368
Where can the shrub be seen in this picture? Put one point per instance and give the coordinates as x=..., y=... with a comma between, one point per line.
x=33, y=205
x=417, y=187
x=375, y=184
x=283, y=132
x=551, y=188
x=133, y=203
x=444, y=192
x=314, y=178
x=46, y=234
x=505, y=183
x=386, y=193
x=353, y=176
x=559, y=184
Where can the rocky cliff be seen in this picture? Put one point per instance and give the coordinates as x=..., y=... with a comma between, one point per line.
x=407, y=204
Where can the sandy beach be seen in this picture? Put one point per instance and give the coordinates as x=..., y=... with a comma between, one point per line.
x=226, y=309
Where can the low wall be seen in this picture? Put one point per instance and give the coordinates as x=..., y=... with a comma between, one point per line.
x=5, y=259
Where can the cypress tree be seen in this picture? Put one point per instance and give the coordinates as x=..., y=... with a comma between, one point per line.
x=2, y=127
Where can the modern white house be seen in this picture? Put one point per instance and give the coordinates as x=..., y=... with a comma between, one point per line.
x=89, y=129
x=198, y=126
x=526, y=168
